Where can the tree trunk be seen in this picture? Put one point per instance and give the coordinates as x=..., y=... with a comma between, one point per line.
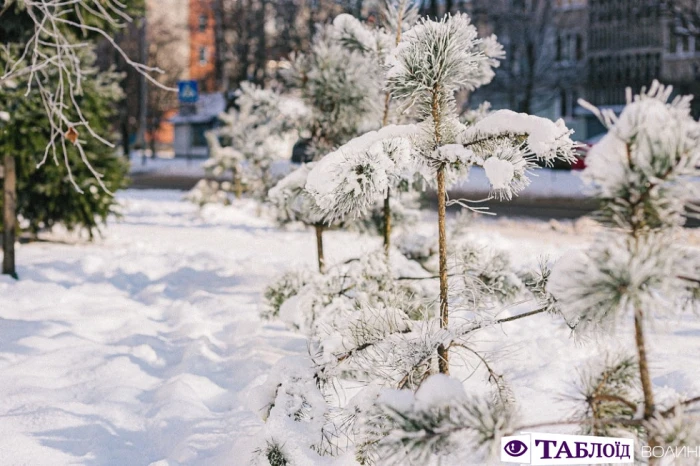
x=529, y=78
x=152, y=142
x=125, y=134
x=261, y=50
x=387, y=222
x=385, y=121
x=9, y=216
x=645, y=378
x=358, y=9
x=319, y=248
x=443, y=354
x=143, y=91
x=237, y=184
x=643, y=365
x=312, y=19
x=220, y=45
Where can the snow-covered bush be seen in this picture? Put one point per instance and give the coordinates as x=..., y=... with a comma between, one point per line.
x=277, y=293
x=209, y=192
x=644, y=172
x=253, y=137
x=224, y=162
x=418, y=247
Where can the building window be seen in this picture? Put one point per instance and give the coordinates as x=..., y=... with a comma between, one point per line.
x=203, y=23
x=203, y=56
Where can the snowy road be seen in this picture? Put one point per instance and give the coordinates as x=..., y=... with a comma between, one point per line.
x=143, y=347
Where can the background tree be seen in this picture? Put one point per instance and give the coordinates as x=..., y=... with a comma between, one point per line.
x=50, y=38
x=254, y=136
x=163, y=50
x=44, y=198
x=55, y=35
x=254, y=36
x=685, y=16
x=528, y=31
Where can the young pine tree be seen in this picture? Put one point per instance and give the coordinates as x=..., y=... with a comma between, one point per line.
x=644, y=173
x=337, y=83
x=377, y=44
x=244, y=150
x=433, y=61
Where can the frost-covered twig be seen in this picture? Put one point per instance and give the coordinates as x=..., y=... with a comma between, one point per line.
x=51, y=63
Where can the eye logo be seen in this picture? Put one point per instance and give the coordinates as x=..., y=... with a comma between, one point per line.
x=515, y=448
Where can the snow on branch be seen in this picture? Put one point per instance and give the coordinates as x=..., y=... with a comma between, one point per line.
x=348, y=181
x=545, y=139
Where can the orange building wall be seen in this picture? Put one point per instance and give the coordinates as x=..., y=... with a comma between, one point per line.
x=202, y=72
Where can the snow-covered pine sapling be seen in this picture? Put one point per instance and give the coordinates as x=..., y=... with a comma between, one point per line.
x=369, y=326
x=644, y=172
x=255, y=135
x=295, y=204
x=224, y=161
x=432, y=62
x=397, y=17
x=338, y=84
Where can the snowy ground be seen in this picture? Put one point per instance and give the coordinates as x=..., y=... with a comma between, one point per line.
x=144, y=347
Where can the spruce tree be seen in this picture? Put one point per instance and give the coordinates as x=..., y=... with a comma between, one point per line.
x=45, y=196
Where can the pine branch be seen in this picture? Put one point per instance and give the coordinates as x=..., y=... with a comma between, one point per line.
x=672, y=410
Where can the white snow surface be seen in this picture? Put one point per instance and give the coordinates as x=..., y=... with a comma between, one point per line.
x=499, y=172
x=145, y=347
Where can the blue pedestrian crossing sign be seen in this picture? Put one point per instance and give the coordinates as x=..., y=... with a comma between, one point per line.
x=188, y=92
